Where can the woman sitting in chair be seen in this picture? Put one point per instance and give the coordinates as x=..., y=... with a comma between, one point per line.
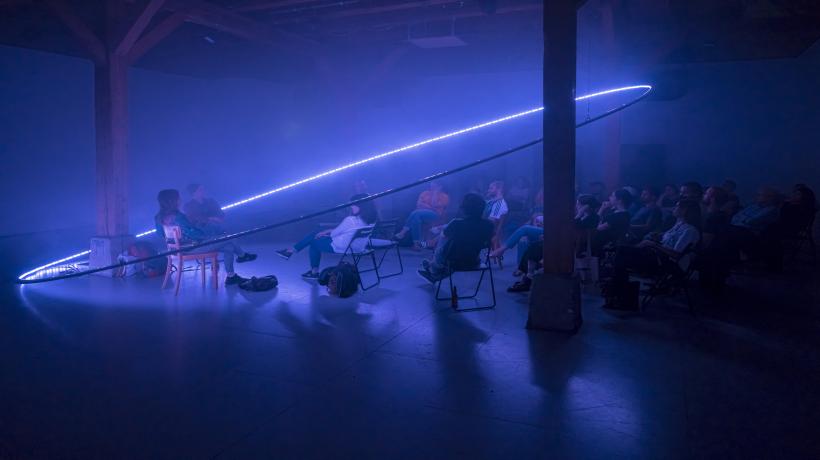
x=169, y=214
x=337, y=239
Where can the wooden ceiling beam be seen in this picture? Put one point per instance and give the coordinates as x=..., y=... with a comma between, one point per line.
x=270, y=5
x=90, y=42
x=390, y=8
x=138, y=27
x=156, y=35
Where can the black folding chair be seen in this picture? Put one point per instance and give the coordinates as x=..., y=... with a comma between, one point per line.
x=381, y=239
x=356, y=256
x=483, y=267
x=672, y=280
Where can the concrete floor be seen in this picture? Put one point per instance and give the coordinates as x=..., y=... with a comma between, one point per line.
x=101, y=368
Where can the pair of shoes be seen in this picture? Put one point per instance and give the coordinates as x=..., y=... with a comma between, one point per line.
x=284, y=253
x=246, y=257
x=427, y=276
x=234, y=279
x=310, y=275
x=520, y=286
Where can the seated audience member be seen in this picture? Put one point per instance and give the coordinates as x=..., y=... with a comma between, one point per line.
x=716, y=219
x=496, y=206
x=733, y=201
x=648, y=218
x=519, y=192
x=538, y=202
x=749, y=232
x=203, y=211
x=598, y=191
x=461, y=242
x=614, y=220
x=636, y=200
x=669, y=197
x=430, y=207
x=761, y=214
x=334, y=240
x=797, y=211
x=655, y=256
x=169, y=214
x=691, y=191
x=714, y=256
x=586, y=218
x=522, y=236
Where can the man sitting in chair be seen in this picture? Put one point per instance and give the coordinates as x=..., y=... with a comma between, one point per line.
x=657, y=254
x=463, y=239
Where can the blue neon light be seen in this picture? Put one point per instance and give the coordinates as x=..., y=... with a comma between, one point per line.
x=361, y=162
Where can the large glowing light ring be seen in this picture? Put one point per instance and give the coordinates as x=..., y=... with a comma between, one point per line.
x=644, y=89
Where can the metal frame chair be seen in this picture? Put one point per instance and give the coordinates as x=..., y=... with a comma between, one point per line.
x=381, y=239
x=671, y=281
x=362, y=233
x=484, y=266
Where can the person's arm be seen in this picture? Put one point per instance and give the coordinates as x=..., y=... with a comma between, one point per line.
x=217, y=214
x=424, y=201
x=764, y=218
x=189, y=231
x=348, y=223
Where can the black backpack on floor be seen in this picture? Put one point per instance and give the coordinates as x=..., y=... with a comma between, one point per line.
x=264, y=283
x=341, y=280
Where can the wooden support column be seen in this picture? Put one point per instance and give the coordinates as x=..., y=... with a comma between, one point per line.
x=560, y=47
x=111, y=124
x=612, y=124
x=555, y=296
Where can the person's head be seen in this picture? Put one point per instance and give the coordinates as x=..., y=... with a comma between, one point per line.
x=767, y=196
x=366, y=210
x=691, y=191
x=436, y=186
x=197, y=191
x=472, y=206
x=729, y=186
x=621, y=199
x=587, y=202
x=804, y=196
x=670, y=190
x=168, y=201
x=496, y=189
x=687, y=211
x=649, y=195
x=715, y=196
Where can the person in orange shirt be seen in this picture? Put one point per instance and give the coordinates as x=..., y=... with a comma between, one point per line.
x=430, y=207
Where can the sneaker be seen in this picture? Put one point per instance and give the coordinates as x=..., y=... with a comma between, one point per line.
x=246, y=257
x=234, y=279
x=427, y=276
x=520, y=286
x=426, y=265
x=310, y=275
x=284, y=253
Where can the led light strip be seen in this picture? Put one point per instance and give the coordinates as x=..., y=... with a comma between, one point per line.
x=431, y=140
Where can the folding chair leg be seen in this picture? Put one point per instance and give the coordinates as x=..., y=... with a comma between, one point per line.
x=356, y=261
x=168, y=270
x=215, y=271
x=179, y=276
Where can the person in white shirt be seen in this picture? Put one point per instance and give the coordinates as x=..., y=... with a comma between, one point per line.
x=496, y=205
x=337, y=239
x=663, y=253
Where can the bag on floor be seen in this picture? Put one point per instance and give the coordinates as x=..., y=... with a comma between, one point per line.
x=264, y=283
x=150, y=268
x=341, y=280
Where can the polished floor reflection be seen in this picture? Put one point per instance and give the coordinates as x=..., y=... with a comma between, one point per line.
x=102, y=368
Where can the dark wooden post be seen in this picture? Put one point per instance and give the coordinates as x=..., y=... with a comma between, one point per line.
x=555, y=298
